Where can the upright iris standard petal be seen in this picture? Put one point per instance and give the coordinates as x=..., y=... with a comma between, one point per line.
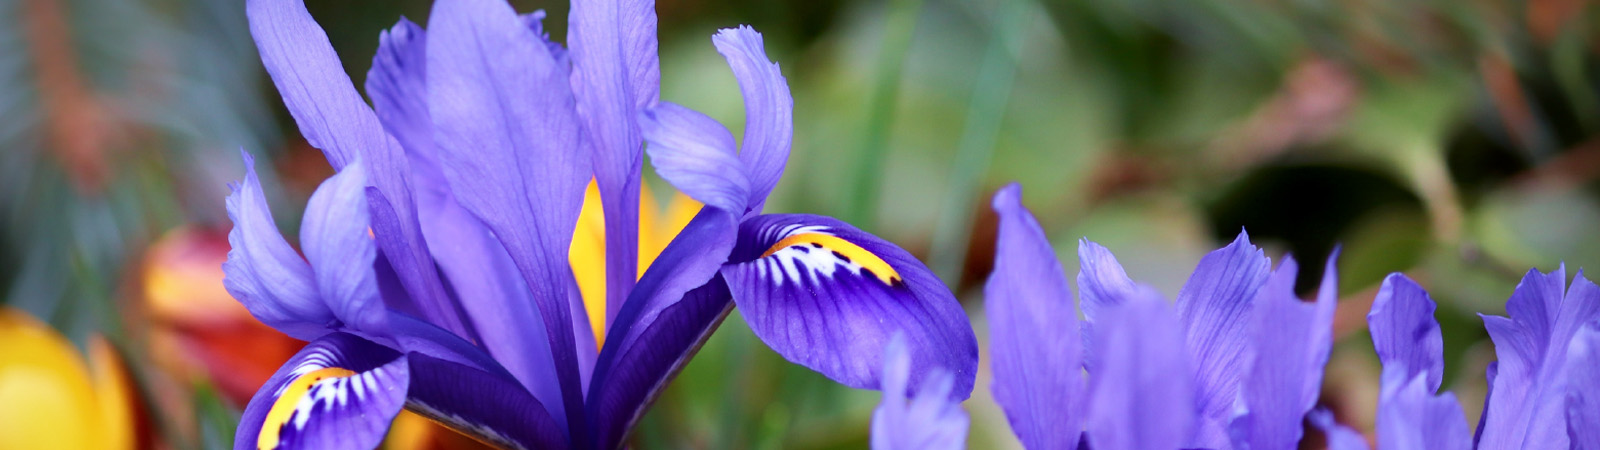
x=1583, y=389
x=1214, y=306
x=1135, y=399
x=1290, y=343
x=474, y=264
x=341, y=391
x=331, y=114
x=1033, y=332
x=333, y=117
x=768, y=109
x=398, y=85
x=1404, y=331
x=507, y=136
x=1411, y=417
x=1526, y=405
x=827, y=296
x=615, y=74
x=927, y=420
x=263, y=272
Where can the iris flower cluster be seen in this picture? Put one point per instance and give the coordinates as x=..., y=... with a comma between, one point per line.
x=436, y=273
x=1236, y=362
x=1543, y=389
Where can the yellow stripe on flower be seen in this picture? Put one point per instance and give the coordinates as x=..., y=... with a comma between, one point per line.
x=283, y=409
x=51, y=398
x=846, y=249
x=587, y=252
x=587, y=255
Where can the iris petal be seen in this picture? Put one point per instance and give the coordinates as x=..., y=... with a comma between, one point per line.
x=1214, y=306
x=1033, y=332
x=1102, y=283
x=475, y=265
x=508, y=136
x=1410, y=416
x=1291, y=340
x=768, y=109
x=1135, y=402
x=341, y=251
x=1583, y=391
x=928, y=420
x=615, y=74
x=487, y=407
x=341, y=391
x=333, y=117
x=827, y=296
x=1404, y=331
x=654, y=342
x=1526, y=405
x=696, y=154
x=263, y=272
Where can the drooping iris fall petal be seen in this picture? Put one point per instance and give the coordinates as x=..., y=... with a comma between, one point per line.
x=828, y=296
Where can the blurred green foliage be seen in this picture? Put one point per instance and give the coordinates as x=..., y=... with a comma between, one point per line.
x=1452, y=140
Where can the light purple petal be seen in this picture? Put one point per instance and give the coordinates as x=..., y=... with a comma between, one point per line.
x=478, y=269
x=339, y=410
x=615, y=42
x=1527, y=404
x=1101, y=284
x=638, y=362
x=1404, y=332
x=1411, y=417
x=398, y=86
x=615, y=74
x=1214, y=307
x=1033, y=332
x=320, y=96
x=333, y=117
x=489, y=408
x=508, y=139
x=768, y=109
x=263, y=272
x=1140, y=396
x=1339, y=437
x=334, y=235
x=928, y=420
x=1583, y=389
x=828, y=296
x=696, y=155
x=1290, y=341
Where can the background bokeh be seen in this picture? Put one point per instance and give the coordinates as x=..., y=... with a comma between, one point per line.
x=1455, y=140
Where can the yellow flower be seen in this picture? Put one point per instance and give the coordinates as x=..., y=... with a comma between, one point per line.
x=52, y=398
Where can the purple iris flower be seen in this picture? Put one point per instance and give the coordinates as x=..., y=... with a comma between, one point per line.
x=1543, y=390
x=1235, y=363
x=435, y=275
